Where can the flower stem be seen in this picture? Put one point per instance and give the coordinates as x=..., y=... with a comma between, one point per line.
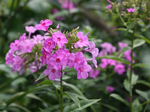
x=61, y=89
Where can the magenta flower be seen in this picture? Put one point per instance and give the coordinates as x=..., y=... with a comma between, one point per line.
x=111, y=62
x=27, y=46
x=110, y=89
x=52, y=72
x=94, y=73
x=83, y=40
x=38, y=39
x=121, y=45
x=75, y=59
x=109, y=1
x=44, y=25
x=46, y=56
x=30, y=29
x=34, y=66
x=108, y=7
x=17, y=62
x=103, y=63
x=22, y=37
x=15, y=45
x=93, y=50
x=49, y=44
x=83, y=69
x=131, y=10
x=119, y=68
x=108, y=47
x=66, y=4
x=9, y=57
x=59, y=38
x=102, y=53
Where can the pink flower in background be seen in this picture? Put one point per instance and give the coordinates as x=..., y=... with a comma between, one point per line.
x=59, y=18
x=94, y=73
x=83, y=69
x=17, y=62
x=30, y=29
x=15, y=45
x=111, y=62
x=93, y=50
x=102, y=53
x=59, y=38
x=109, y=1
x=119, y=68
x=131, y=10
x=27, y=46
x=108, y=47
x=121, y=45
x=52, y=72
x=110, y=89
x=103, y=63
x=83, y=40
x=22, y=37
x=66, y=4
x=9, y=57
x=44, y=25
x=108, y=7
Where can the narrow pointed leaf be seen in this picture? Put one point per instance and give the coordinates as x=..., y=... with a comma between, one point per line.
x=124, y=49
x=138, y=42
x=41, y=77
x=142, y=94
x=143, y=82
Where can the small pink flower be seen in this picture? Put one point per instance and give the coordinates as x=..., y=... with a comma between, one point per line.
x=94, y=73
x=131, y=10
x=83, y=40
x=108, y=47
x=120, y=69
x=27, y=46
x=110, y=89
x=59, y=38
x=108, y=7
x=49, y=44
x=109, y=1
x=66, y=4
x=30, y=29
x=103, y=63
x=44, y=25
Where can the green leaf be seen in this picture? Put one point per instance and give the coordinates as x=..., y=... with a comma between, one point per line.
x=84, y=104
x=110, y=107
x=19, y=106
x=56, y=84
x=130, y=26
x=143, y=82
x=124, y=49
x=134, y=77
x=22, y=94
x=138, y=42
x=116, y=96
x=115, y=58
x=74, y=88
x=142, y=94
x=74, y=98
x=144, y=65
x=127, y=85
x=41, y=77
x=136, y=105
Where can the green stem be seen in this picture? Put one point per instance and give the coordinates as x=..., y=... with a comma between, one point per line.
x=61, y=89
x=145, y=108
x=58, y=97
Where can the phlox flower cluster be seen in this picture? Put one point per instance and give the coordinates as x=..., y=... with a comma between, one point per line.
x=55, y=50
x=108, y=49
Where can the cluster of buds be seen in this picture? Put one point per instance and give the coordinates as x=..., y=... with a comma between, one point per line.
x=55, y=50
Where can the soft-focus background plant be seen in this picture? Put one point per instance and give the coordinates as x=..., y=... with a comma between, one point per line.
x=90, y=16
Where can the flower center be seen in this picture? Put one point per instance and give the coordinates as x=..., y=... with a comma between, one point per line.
x=53, y=70
x=44, y=55
x=49, y=43
x=57, y=60
x=43, y=24
x=58, y=38
x=76, y=60
x=28, y=47
x=81, y=69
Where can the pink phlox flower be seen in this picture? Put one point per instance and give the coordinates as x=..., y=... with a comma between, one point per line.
x=108, y=47
x=110, y=89
x=83, y=69
x=49, y=44
x=83, y=40
x=76, y=59
x=108, y=7
x=27, y=46
x=111, y=62
x=9, y=57
x=92, y=49
x=38, y=39
x=22, y=37
x=121, y=45
x=30, y=29
x=66, y=4
x=94, y=62
x=127, y=55
x=15, y=45
x=109, y=1
x=103, y=63
x=34, y=66
x=131, y=10
x=59, y=38
x=57, y=61
x=17, y=62
x=44, y=25
x=46, y=56
x=119, y=68
x=102, y=53
x=94, y=73
x=52, y=72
